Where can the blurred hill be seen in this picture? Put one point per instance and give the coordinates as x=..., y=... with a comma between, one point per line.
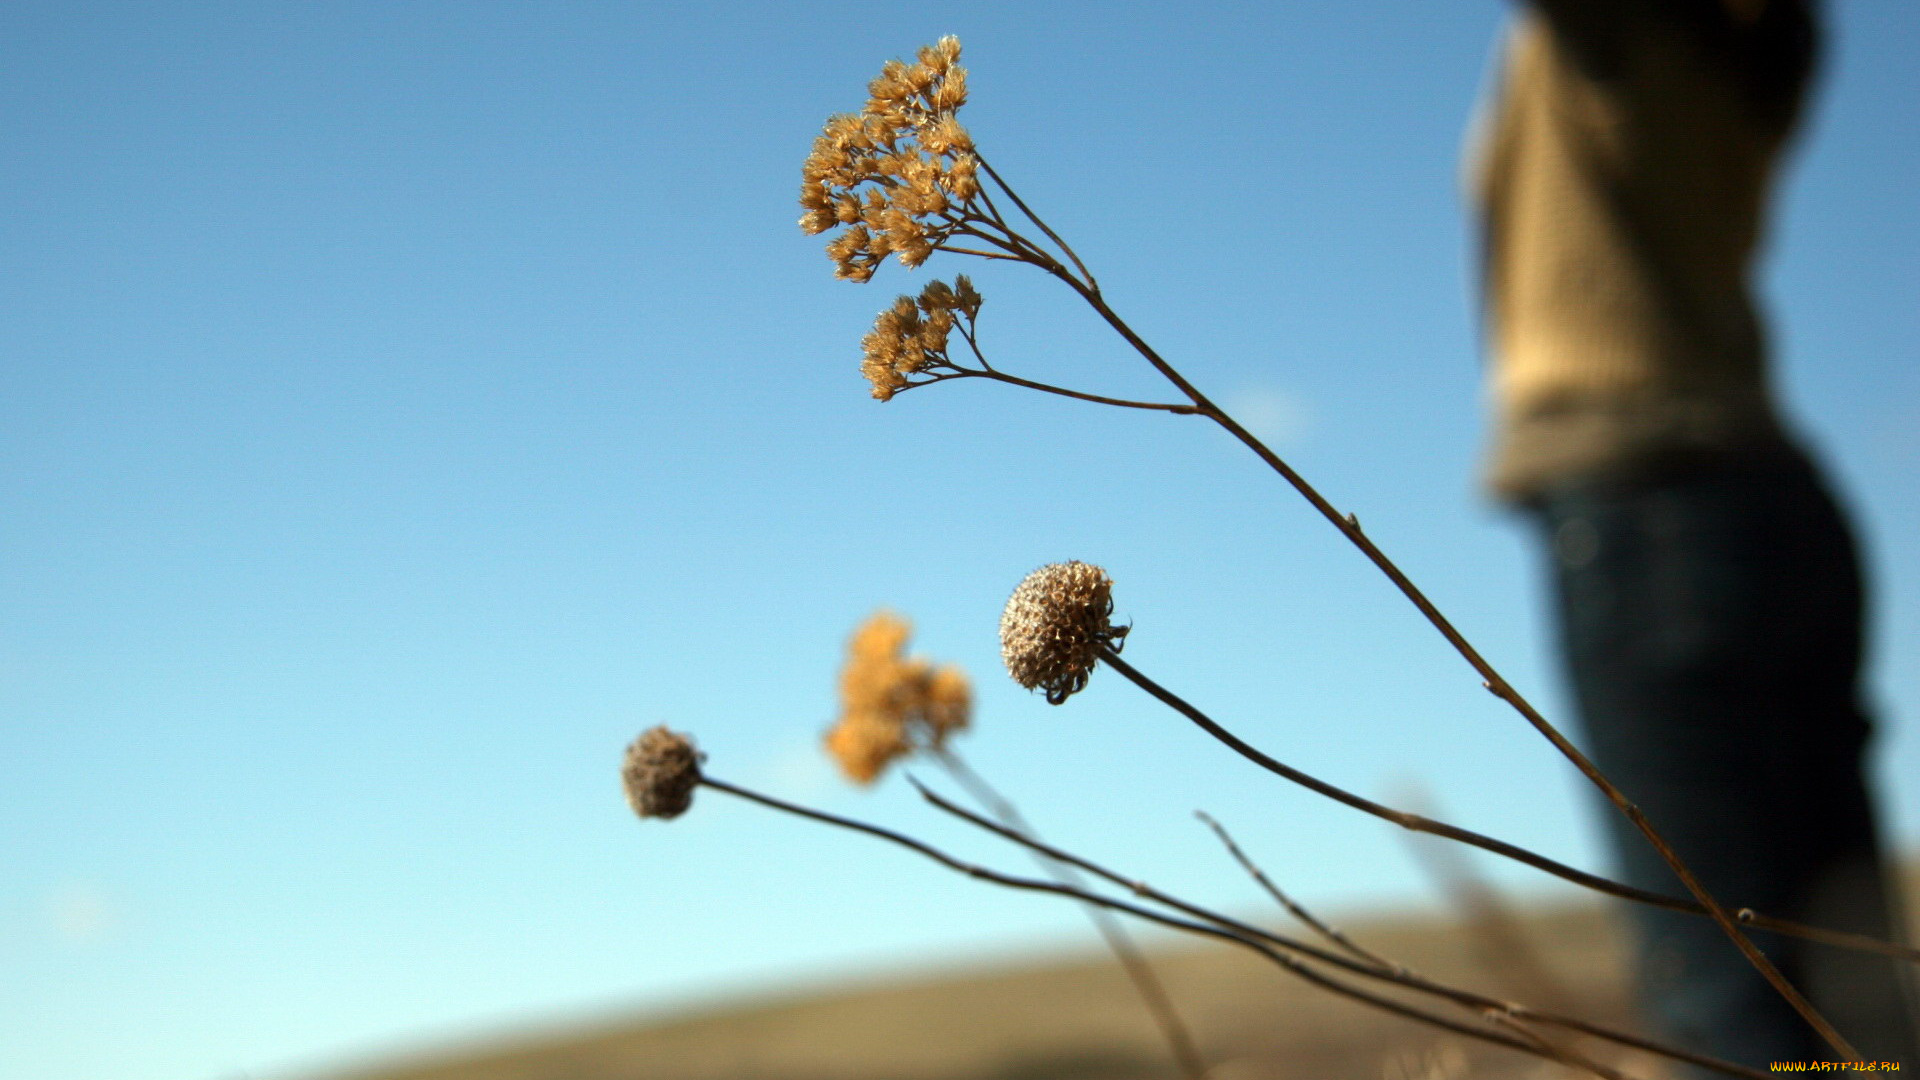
x=1077, y=1018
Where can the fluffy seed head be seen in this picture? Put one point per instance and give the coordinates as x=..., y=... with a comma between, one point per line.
x=911, y=337
x=659, y=774
x=893, y=171
x=1054, y=625
x=949, y=704
x=865, y=743
x=892, y=704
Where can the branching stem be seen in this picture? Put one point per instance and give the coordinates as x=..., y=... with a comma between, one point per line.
x=1385, y=972
x=1494, y=682
x=1290, y=963
x=1146, y=982
x=1419, y=823
x=1292, y=908
x=1085, y=273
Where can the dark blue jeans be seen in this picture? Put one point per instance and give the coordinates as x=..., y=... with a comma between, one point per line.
x=1711, y=625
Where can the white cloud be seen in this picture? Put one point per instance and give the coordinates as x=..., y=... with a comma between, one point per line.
x=1275, y=416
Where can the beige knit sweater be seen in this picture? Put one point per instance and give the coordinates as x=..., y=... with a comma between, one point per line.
x=1623, y=171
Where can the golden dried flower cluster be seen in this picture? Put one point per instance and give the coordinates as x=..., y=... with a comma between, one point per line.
x=910, y=338
x=660, y=772
x=893, y=172
x=891, y=705
x=1054, y=626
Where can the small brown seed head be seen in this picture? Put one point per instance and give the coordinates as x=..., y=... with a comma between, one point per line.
x=660, y=772
x=1054, y=626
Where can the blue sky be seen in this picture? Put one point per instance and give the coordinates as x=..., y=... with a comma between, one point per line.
x=403, y=405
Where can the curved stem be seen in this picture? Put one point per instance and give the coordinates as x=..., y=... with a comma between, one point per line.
x=1493, y=680
x=1331, y=933
x=968, y=329
x=1146, y=981
x=1035, y=218
x=1000, y=376
x=988, y=371
x=993, y=212
x=1292, y=964
x=1349, y=526
x=1419, y=823
x=981, y=254
x=1414, y=822
x=1393, y=973
x=1022, y=249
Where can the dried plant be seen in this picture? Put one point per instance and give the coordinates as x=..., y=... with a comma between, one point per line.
x=660, y=772
x=904, y=177
x=892, y=707
x=979, y=218
x=1487, y=1019
x=1055, y=626
x=900, y=174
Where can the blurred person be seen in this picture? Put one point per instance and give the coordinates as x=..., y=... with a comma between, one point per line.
x=1708, y=597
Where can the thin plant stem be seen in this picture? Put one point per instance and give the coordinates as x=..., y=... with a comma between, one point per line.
x=1017, y=246
x=1424, y=824
x=1290, y=963
x=1035, y=218
x=1259, y=876
x=1393, y=973
x=1414, y=822
x=1015, y=380
x=1494, y=682
x=982, y=254
x=993, y=212
x=1335, y=935
x=1420, y=823
x=1146, y=981
x=987, y=370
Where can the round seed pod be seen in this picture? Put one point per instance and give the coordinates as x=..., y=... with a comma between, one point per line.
x=660, y=772
x=1054, y=626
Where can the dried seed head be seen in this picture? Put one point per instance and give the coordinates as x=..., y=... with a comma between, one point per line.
x=910, y=338
x=660, y=771
x=904, y=152
x=949, y=704
x=865, y=743
x=1054, y=625
x=890, y=704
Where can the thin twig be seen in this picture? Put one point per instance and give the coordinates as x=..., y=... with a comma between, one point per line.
x=1003, y=238
x=982, y=254
x=1494, y=682
x=1001, y=376
x=1253, y=870
x=1396, y=974
x=1146, y=982
x=1491, y=679
x=1035, y=218
x=1333, y=934
x=987, y=370
x=1290, y=963
x=1415, y=822
x=993, y=212
x=954, y=372
x=969, y=331
x=1420, y=823
x=1494, y=926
